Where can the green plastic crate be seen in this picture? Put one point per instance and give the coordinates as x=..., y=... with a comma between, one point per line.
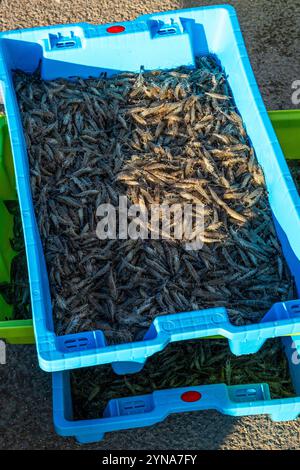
x=12, y=331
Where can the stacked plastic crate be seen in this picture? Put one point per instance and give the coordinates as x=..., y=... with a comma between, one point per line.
x=11, y=330
x=155, y=41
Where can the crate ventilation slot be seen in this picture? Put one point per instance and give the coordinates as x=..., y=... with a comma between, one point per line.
x=76, y=343
x=295, y=308
x=160, y=28
x=68, y=43
x=132, y=407
x=246, y=393
x=165, y=31
x=59, y=41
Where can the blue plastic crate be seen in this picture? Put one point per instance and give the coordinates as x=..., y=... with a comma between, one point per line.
x=146, y=410
x=163, y=40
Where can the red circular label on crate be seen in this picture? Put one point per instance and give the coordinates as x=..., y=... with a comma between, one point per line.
x=191, y=396
x=115, y=29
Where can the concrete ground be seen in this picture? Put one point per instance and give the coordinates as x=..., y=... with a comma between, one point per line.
x=271, y=32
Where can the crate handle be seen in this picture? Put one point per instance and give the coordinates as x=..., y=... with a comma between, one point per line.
x=176, y=400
